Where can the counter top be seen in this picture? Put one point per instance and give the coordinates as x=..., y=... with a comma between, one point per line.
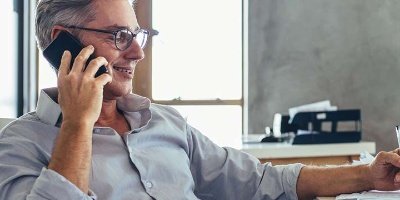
x=285, y=150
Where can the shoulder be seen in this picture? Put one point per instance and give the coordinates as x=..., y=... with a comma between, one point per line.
x=28, y=131
x=166, y=111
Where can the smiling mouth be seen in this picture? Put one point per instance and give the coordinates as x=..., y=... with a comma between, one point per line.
x=123, y=70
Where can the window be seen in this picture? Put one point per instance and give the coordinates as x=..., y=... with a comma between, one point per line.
x=194, y=62
x=9, y=59
x=47, y=75
x=18, y=58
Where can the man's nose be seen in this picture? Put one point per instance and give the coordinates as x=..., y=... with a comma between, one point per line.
x=134, y=51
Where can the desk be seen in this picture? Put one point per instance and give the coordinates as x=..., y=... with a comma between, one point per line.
x=312, y=154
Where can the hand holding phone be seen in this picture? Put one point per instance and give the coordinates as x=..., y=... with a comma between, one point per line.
x=66, y=41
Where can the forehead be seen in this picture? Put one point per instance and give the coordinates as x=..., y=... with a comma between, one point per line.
x=114, y=13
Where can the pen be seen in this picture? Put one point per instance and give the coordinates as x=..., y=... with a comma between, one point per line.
x=398, y=135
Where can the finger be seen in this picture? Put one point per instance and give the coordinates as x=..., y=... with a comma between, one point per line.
x=94, y=66
x=390, y=157
x=397, y=151
x=397, y=178
x=104, y=79
x=64, y=67
x=80, y=60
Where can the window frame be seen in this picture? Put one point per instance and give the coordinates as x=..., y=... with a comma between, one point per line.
x=142, y=84
x=27, y=57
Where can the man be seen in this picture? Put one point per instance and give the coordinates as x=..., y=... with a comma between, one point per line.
x=90, y=138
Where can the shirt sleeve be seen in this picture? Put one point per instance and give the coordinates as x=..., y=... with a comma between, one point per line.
x=59, y=188
x=227, y=173
x=24, y=175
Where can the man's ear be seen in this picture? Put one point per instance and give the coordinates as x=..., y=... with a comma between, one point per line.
x=56, y=31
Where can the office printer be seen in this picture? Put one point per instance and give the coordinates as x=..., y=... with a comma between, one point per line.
x=309, y=126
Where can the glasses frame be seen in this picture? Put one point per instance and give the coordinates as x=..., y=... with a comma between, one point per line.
x=114, y=33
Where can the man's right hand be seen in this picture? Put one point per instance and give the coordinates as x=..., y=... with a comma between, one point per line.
x=80, y=98
x=80, y=93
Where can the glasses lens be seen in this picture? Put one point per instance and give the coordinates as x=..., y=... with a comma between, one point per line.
x=123, y=39
x=141, y=38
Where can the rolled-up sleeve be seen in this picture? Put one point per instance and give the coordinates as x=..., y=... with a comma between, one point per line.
x=51, y=185
x=24, y=174
x=227, y=173
x=279, y=182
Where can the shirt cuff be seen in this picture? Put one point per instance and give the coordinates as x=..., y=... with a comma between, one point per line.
x=290, y=176
x=52, y=185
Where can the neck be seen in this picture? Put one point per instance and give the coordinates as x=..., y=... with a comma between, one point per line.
x=110, y=116
x=109, y=113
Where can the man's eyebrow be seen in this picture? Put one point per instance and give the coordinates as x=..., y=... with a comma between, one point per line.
x=114, y=27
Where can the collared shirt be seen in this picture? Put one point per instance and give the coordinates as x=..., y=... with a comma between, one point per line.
x=162, y=157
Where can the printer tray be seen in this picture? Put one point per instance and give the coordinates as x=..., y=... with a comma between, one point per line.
x=327, y=137
x=316, y=135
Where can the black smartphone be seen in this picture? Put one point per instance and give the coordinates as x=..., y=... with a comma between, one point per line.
x=66, y=41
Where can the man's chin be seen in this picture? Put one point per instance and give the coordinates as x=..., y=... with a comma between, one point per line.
x=115, y=93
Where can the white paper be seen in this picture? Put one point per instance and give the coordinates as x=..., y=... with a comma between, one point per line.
x=373, y=194
x=312, y=107
x=365, y=158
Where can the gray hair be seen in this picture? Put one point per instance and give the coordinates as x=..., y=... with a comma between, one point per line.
x=60, y=12
x=64, y=13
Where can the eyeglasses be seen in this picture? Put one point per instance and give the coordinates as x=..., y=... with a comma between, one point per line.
x=122, y=37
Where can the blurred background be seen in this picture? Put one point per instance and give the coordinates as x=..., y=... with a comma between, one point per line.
x=230, y=65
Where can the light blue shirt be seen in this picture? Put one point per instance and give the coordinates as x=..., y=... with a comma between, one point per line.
x=162, y=157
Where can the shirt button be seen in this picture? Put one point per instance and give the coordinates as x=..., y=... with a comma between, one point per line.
x=149, y=184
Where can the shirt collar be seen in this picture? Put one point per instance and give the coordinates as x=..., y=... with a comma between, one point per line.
x=49, y=111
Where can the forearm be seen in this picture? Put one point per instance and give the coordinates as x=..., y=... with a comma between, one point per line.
x=71, y=155
x=330, y=181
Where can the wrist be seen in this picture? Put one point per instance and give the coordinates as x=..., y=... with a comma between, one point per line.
x=363, y=180
x=368, y=177
x=77, y=126
x=77, y=122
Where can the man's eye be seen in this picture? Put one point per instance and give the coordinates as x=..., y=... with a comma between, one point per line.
x=118, y=39
x=122, y=36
